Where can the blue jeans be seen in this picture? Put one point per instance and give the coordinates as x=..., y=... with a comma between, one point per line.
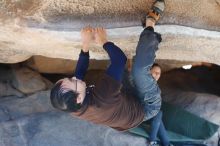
x=157, y=128
x=145, y=85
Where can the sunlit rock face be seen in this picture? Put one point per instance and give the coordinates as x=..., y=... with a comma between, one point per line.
x=73, y=14
x=50, y=28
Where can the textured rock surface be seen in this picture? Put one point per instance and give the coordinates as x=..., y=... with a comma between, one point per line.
x=19, y=81
x=179, y=43
x=51, y=28
x=50, y=65
x=7, y=90
x=27, y=81
x=73, y=14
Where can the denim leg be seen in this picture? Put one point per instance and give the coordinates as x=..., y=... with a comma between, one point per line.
x=157, y=128
x=162, y=133
x=146, y=86
x=155, y=125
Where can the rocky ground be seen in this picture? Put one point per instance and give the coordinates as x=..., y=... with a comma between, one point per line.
x=28, y=119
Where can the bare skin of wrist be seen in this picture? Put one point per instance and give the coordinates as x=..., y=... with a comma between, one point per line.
x=85, y=48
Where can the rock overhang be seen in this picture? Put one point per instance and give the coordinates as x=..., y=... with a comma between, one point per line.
x=179, y=43
x=190, y=29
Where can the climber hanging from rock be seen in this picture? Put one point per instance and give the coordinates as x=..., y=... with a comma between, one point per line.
x=105, y=103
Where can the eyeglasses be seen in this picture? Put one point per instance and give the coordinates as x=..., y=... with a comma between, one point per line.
x=76, y=84
x=71, y=79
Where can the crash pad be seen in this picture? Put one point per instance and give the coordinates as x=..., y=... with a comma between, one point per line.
x=181, y=125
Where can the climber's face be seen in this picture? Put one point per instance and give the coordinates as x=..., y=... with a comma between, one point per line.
x=156, y=72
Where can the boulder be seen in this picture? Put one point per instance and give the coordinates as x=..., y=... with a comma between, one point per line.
x=15, y=108
x=28, y=81
x=7, y=90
